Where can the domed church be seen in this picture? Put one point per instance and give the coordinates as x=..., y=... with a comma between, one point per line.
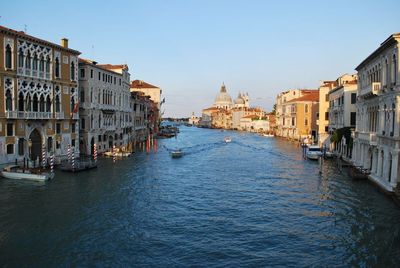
x=223, y=99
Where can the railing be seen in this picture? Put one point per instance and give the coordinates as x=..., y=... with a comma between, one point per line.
x=59, y=115
x=75, y=116
x=367, y=136
x=372, y=89
x=33, y=73
x=33, y=115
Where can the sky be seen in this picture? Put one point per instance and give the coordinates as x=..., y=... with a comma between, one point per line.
x=189, y=48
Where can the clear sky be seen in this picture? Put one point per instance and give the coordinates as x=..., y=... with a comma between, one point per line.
x=188, y=48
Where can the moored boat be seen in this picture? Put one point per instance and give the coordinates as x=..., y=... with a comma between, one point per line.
x=227, y=139
x=313, y=152
x=117, y=154
x=17, y=173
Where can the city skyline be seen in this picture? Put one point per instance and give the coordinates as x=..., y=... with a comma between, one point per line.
x=189, y=49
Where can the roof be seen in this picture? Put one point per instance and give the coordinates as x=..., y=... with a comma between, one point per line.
x=308, y=97
x=141, y=84
x=22, y=34
x=100, y=66
x=385, y=44
x=113, y=66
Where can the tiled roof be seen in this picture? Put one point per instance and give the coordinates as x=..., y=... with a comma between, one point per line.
x=308, y=97
x=113, y=67
x=22, y=34
x=94, y=63
x=141, y=84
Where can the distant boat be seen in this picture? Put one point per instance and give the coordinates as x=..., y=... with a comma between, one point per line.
x=313, y=152
x=177, y=153
x=267, y=135
x=227, y=139
x=117, y=154
x=17, y=173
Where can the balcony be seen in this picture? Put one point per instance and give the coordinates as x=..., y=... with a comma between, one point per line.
x=367, y=136
x=33, y=73
x=59, y=115
x=370, y=90
x=28, y=115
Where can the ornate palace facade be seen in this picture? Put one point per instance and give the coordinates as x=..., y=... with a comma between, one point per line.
x=38, y=96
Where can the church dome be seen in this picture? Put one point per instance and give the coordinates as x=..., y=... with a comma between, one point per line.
x=223, y=99
x=239, y=100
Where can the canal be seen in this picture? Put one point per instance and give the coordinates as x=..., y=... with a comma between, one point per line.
x=251, y=203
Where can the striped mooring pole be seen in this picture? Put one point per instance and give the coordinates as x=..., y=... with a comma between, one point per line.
x=114, y=155
x=52, y=163
x=73, y=159
x=43, y=155
x=95, y=153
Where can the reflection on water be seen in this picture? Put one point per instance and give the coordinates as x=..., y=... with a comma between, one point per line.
x=252, y=202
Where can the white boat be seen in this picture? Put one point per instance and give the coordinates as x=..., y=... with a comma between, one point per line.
x=313, y=152
x=118, y=154
x=329, y=154
x=267, y=135
x=227, y=139
x=176, y=153
x=17, y=173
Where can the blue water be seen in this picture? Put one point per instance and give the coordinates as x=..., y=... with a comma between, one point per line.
x=250, y=203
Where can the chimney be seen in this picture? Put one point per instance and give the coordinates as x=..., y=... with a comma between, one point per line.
x=64, y=43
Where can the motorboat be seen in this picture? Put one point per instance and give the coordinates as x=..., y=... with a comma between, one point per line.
x=117, y=154
x=227, y=139
x=17, y=173
x=313, y=152
x=329, y=154
x=267, y=135
x=177, y=153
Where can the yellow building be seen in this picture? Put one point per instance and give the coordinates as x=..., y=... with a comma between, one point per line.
x=38, y=97
x=303, y=116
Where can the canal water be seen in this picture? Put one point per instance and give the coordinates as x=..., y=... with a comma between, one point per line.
x=251, y=203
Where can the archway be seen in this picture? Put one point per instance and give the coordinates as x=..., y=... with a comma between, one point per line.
x=35, y=145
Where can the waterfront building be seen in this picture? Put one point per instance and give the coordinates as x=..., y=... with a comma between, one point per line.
x=323, y=112
x=254, y=123
x=221, y=118
x=296, y=112
x=194, y=120
x=342, y=113
x=144, y=113
x=105, y=111
x=148, y=89
x=38, y=97
x=376, y=143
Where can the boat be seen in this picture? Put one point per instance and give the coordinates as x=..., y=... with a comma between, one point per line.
x=79, y=166
x=313, y=152
x=227, y=139
x=18, y=173
x=177, y=153
x=117, y=154
x=358, y=172
x=267, y=135
x=329, y=154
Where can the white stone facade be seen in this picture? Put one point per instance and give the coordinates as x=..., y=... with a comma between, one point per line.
x=377, y=135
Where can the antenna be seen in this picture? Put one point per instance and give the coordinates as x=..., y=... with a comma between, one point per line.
x=25, y=28
x=92, y=52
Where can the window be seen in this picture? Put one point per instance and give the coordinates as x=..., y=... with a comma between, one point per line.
x=353, y=118
x=58, y=104
x=326, y=115
x=10, y=129
x=82, y=73
x=10, y=148
x=342, y=100
x=353, y=98
x=58, y=128
x=82, y=123
x=99, y=138
x=8, y=100
x=20, y=58
x=99, y=76
x=35, y=62
x=21, y=102
x=73, y=143
x=72, y=70
x=28, y=61
x=82, y=95
x=65, y=59
x=394, y=70
x=326, y=128
x=306, y=108
x=73, y=127
x=57, y=67
x=21, y=143
x=327, y=97
x=8, y=57
x=306, y=122
x=91, y=73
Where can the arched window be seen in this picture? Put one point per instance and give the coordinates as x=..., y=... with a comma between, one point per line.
x=35, y=103
x=28, y=105
x=21, y=144
x=306, y=108
x=21, y=102
x=28, y=62
x=48, y=65
x=48, y=104
x=8, y=100
x=57, y=63
x=35, y=62
x=8, y=57
x=72, y=70
x=57, y=104
x=41, y=104
x=20, y=58
x=393, y=119
x=41, y=64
